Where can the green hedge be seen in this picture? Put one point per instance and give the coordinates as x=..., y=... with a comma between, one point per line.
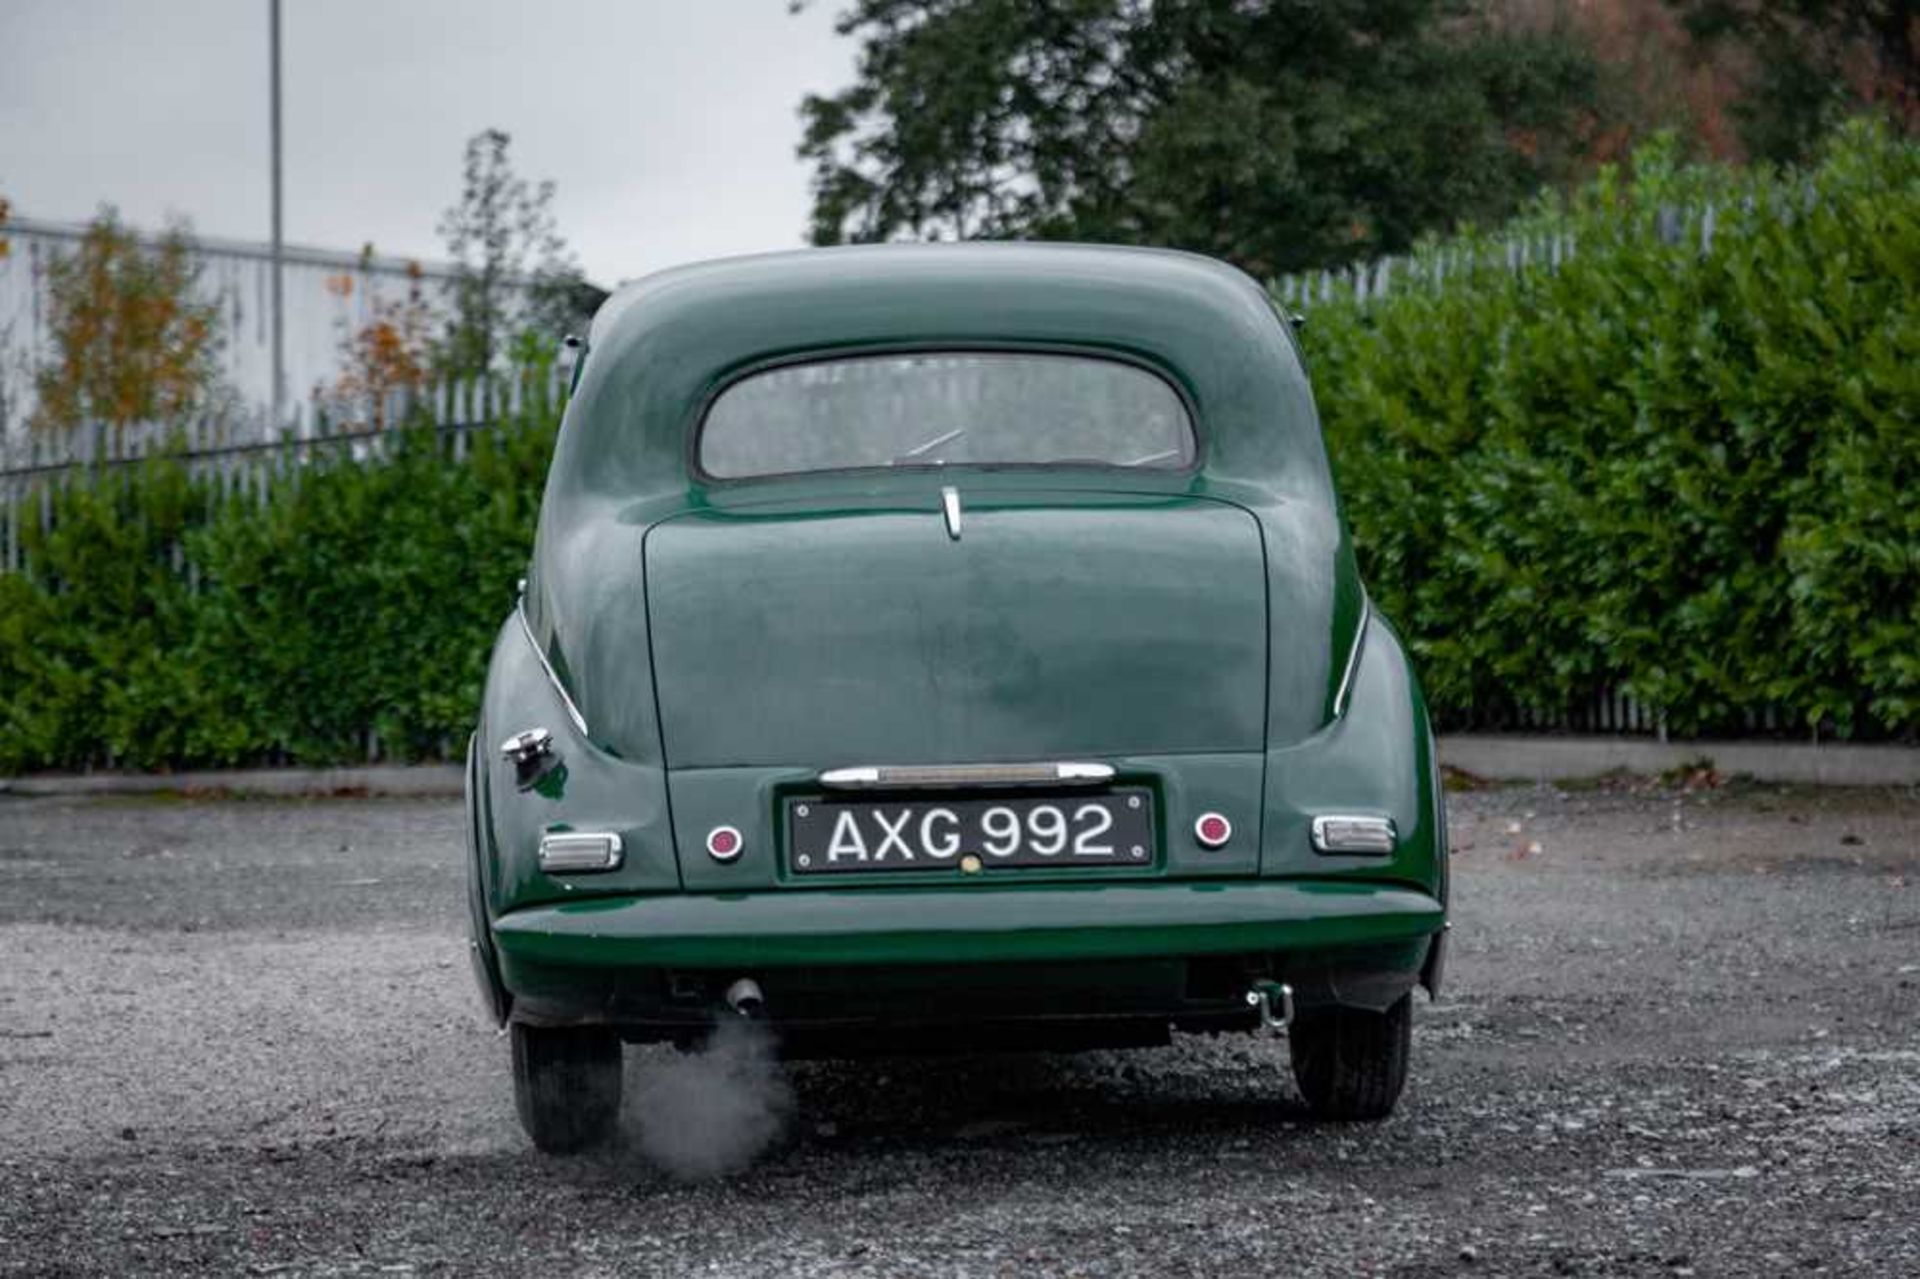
x=352, y=600
x=1693, y=477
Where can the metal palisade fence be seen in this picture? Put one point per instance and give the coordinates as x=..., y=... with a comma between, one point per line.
x=1543, y=249
x=330, y=296
x=242, y=456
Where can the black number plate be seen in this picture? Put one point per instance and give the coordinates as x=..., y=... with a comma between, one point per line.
x=1111, y=828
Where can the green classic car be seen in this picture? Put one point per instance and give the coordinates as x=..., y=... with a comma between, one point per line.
x=950, y=646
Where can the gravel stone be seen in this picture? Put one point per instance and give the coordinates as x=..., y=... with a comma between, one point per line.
x=240, y=1037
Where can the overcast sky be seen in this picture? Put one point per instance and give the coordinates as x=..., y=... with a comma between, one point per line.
x=668, y=125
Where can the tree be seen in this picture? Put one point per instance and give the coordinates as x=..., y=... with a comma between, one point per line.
x=132, y=341
x=1654, y=77
x=1811, y=63
x=1280, y=134
x=512, y=269
x=391, y=353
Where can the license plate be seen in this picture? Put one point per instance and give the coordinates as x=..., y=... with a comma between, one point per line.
x=1112, y=828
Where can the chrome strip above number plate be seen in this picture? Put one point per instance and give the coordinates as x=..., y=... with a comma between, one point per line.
x=902, y=776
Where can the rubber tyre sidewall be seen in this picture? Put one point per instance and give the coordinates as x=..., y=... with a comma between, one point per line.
x=1351, y=1063
x=566, y=1085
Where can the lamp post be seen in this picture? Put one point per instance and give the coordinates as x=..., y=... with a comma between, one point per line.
x=279, y=305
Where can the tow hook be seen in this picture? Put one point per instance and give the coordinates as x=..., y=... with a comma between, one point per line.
x=745, y=999
x=1265, y=996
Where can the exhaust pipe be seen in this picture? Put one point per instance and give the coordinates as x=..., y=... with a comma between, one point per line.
x=746, y=1000
x=1264, y=995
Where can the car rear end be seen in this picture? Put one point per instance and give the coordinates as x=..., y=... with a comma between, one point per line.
x=1098, y=899
x=955, y=700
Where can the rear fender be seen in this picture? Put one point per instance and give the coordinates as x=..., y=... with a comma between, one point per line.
x=1376, y=759
x=587, y=788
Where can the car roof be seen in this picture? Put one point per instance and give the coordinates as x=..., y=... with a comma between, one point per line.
x=1022, y=264
x=663, y=345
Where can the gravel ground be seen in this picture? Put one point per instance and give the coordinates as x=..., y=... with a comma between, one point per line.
x=1682, y=1035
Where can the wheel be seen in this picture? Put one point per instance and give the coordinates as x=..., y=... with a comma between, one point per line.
x=566, y=1084
x=1351, y=1063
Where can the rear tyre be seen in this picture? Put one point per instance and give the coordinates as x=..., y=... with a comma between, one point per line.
x=1351, y=1063
x=566, y=1084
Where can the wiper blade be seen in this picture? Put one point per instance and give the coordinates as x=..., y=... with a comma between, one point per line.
x=934, y=443
x=1161, y=456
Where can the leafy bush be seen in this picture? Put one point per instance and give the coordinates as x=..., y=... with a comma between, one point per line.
x=1690, y=474
x=341, y=600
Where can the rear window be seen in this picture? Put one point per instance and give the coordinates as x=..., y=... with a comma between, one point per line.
x=934, y=409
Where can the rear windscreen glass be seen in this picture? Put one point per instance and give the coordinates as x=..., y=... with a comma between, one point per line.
x=955, y=409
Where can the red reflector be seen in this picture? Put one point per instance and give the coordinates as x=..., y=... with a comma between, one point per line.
x=723, y=843
x=1213, y=830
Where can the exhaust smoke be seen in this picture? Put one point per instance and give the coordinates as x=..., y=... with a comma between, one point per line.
x=713, y=1112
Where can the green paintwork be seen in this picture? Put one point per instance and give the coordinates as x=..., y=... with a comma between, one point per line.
x=1375, y=760
x=662, y=347
x=726, y=641
x=1059, y=626
x=851, y=928
x=601, y=792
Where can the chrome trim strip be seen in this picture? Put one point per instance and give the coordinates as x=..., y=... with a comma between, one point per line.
x=540, y=654
x=884, y=776
x=850, y=777
x=950, y=503
x=1069, y=772
x=934, y=443
x=1344, y=693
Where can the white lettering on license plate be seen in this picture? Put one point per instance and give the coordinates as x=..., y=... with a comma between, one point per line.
x=937, y=834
